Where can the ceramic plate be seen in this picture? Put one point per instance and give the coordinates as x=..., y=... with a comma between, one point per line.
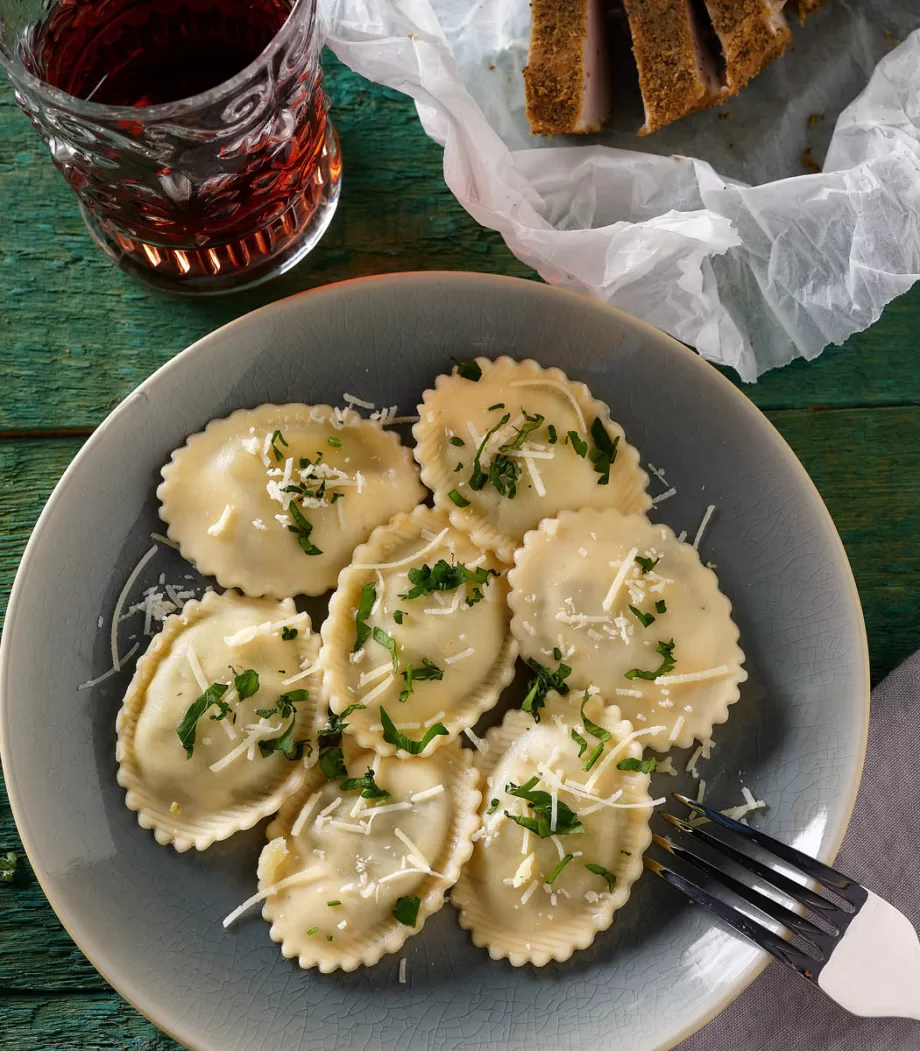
x=150, y=920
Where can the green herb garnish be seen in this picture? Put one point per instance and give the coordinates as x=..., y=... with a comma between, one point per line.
x=332, y=764
x=458, y=498
x=288, y=633
x=429, y=670
x=395, y=737
x=666, y=649
x=398, y=615
x=550, y=879
x=459, y=466
x=639, y=766
x=597, y=732
x=247, y=683
x=552, y=434
x=444, y=576
x=540, y=802
x=544, y=681
x=186, y=728
x=365, y=605
x=312, y=931
x=557, y=653
x=604, y=452
x=302, y=530
x=336, y=443
x=366, y=785
x=469, y=370
x=578, y=444
x=328, y=937
x=278, y=437
x=389, y=643
x=646, y=564
x=406, y=910
x=285, y=705
x=644, y=618
x=329, y=741
x=493, y=806
x=479, y=477
x=455, y=439
x=285, y=743
x=661, y=606
x=8, y=865
x=599, y=870
x=497, y=405
x=333, y=904
x=580, y=741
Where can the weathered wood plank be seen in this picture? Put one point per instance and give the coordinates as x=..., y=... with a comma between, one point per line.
x=76, y=336
x=88, y=1022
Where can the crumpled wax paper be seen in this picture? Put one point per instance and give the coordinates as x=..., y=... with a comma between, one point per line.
x=710, y=229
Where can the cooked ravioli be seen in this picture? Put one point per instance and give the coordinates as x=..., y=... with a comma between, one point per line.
x=211, y=729
x=274, y=500
x=418, y=633
x=517, y=445
x=338, y=866
x=631, y=610
x=560, y=846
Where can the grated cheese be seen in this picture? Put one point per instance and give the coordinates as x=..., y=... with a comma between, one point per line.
x=375, y=673
x=526, y=896
x=693, y=676
x=304, y=814
x=524, y=871
x=410, y=558
x=703, y=524
x=261, y=732
x=301, y=675
x=468, y=652
x=419, y=856
x=535, y=476
x=564, y=390
x=108, y=674
x=625, y=567
x=299, y=877
x=192, y=659
x=377, y=690
x=120, y=602
x=350, y=399
x=661, y=497
x=701, y=792
x=427, y=793
x=691, y=764
x=620, y=692
x=676, y=728
x=402, y=971
x=667, y=767
x=608, y=758
x=478, y=743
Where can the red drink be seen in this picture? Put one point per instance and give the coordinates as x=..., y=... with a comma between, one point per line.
x=208, y=193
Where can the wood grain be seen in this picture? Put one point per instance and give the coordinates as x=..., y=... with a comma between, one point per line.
x=82, y=1022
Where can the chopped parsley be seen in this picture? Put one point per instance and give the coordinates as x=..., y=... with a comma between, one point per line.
x=599, y=870
x=479, y=477
x=366, y=785
x=286, y=744
x=551, y=878
x=459, y=466
x=336, y=443
x=497, y=405
x=493, y=806
x=429, y=670
x=398, y=615
x=285, y=705
x=661, y=606
x=578, y=444
x=288, y=633
x=365, y=605
x=247, y=682
x=395, y=737
x=328, y=937
x=639, y=766
x=530, y=424
x=333, y=904
x=406, y=910
x=604, y=452
x=597, y=732
x=444, y=576
x=644, y=618
x=580, y=741
x=469, y=370
x=543, y=681
x=186, y=728
x=557, y=653
x=8, y=865
x=312, y=931
x=302, y=530
x=336, y=496
x=646, y=564
x=455, y=439
x=278, y=437
x=332, y=764
x=389, y=643
x=540, y=803
x=329, y=740
x=553, y=437
x=666, y=649
x=458, y=498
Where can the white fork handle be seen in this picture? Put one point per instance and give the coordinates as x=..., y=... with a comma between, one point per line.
x=875, y=969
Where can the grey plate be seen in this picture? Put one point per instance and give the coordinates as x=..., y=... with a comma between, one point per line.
x=150, y=919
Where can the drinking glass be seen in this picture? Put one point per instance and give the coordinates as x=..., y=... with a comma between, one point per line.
x=194, y=132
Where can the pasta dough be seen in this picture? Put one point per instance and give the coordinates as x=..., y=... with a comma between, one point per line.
x=274, y=500
x=198, y=780
x=634, y=612
x=415, y=844
x=517, y=446
x=461, y=655
x=531, y=897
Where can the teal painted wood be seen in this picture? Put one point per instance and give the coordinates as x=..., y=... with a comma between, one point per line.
x=75, y=337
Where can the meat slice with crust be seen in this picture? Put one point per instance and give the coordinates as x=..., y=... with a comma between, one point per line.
x=752, y=33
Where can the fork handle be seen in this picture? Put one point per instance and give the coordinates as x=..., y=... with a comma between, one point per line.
x=875, y=969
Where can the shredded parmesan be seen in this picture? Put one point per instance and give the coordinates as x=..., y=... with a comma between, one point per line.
x=526, y=896
x=524, y=871
x=375, y=673
x=350, y=399
x=617, y=748
x=108, y=674
x=625, y=567
x=377, y=690
x=661, y=497
x=468, y=652
x=402, y=971
x=304, y=814
x=120, y=602
x=693, y=676
x=478, y=743
x=416, y=853
x=221, y=524
x=410, y=558
x=676, y=728
x=703, y=524
x=701, y=792
x=427, y=793
x=620, y=692
x=558, y=386
x=533, y=472
x=299, y=877
x=192, y=658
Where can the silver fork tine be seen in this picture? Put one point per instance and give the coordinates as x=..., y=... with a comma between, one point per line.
x=847, y=888
x=777, y=946
x=777, y=879
x=819, y=940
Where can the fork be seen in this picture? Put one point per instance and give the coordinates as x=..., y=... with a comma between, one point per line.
x=868, y=958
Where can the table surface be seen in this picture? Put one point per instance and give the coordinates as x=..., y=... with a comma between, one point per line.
x=76, y=336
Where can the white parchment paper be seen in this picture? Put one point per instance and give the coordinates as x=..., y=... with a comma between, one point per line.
x=709, y=229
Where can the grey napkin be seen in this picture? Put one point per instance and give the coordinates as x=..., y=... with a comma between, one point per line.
x=782, y=1012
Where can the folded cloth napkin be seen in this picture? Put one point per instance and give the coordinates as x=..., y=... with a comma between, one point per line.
x=780, y=1011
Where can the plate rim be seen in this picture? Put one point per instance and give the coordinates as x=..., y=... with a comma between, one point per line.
x=136, y=999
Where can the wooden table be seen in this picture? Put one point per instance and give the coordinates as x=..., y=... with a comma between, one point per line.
x=76, y=336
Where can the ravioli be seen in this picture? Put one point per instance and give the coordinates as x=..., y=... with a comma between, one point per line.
x=274, y=500
x=632, y=610
x=532, y=894
x=212, y=728
x=518, y=445
x=338, y=866
x=418, y=633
